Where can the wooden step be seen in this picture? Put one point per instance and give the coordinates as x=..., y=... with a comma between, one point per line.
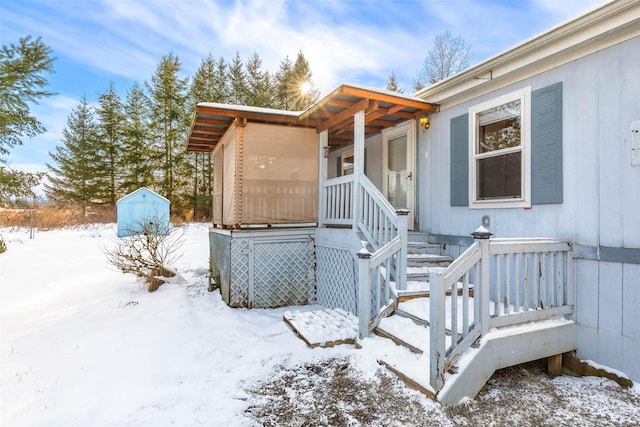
x=405, y=332
x=428, y=260
x=403, y=296
x=414, y=247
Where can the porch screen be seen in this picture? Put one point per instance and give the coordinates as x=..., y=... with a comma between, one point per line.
x=218, y=167
x=228, y=180
x=280, y=174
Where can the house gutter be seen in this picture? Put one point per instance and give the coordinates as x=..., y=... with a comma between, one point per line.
x=595, y=30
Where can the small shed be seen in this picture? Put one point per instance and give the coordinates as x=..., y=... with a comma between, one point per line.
x=140, y=207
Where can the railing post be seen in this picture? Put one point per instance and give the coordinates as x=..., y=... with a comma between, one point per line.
x=323, y=140
x=482, y=235
x=401, y=274
x=437, y=331
x=358, y=165
x=364, y=292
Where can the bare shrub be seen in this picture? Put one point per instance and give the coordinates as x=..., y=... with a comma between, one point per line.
x=149, y=252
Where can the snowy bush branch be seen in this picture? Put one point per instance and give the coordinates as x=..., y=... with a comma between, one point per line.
x=149, y=252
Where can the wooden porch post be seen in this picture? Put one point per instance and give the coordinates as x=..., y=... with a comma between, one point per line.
x=323, y=140
x=358, y=164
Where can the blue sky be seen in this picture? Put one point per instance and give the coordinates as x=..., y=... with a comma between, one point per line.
x=353, y=41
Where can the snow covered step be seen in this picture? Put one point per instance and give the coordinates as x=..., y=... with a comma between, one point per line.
x=414, y=247
x=417, y=260
x=422, y=273
x=405, y=332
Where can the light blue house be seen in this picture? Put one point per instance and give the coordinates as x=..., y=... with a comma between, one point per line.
x=539, y=144
x=140, y=207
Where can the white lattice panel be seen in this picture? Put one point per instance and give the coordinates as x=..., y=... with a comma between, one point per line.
x=336, y=279
x=239, y=287
x=281, y=273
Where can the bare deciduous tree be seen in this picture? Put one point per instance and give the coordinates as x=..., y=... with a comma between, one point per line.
x=149, y=252
x=448, y=56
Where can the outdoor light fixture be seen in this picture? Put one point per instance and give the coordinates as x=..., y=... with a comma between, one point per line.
x=424, y=122
x=326, y=151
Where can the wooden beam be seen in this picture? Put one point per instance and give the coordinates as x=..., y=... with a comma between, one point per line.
x=360, y=92
x=204, y=137
x=202, y=120
x=383, y=123
x=344, y=115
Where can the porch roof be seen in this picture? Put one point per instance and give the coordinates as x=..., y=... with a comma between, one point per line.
x=334, y=112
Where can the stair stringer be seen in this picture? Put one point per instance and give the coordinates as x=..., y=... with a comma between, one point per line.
x=503, y=348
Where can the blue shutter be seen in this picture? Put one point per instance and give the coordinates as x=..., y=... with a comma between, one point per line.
x=460, y=160
x=546, y=145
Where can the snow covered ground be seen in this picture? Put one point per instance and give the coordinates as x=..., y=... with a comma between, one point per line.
x=85, y=345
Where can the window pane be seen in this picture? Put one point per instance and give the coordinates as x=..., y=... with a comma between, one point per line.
x=398, y=154
x=499, y=127
x=500, y=177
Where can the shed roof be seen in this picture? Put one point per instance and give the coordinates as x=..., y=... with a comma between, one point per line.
x=334, y=112
x=142, y=189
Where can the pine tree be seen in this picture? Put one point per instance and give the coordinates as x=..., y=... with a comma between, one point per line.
x=72, y=179
x=237, y=81
x=392, y=84
x=209, y=85
x=110, y=126
x=137, y=162
x=260, y=89
x=168, y=96
x=284, y=85
x=22, y=80
x=304, y=91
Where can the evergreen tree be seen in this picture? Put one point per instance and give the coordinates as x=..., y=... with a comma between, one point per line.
x=72, y=178
x=259, y=88
x=392, y=84
x=110, y=127
x=22, y=80
x=168, y=98
x=210, y=83
x=237, y=81
x=137, y=162
x=304, y=91
x=284, y=85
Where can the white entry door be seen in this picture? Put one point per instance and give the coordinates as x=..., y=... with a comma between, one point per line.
x=398, y=152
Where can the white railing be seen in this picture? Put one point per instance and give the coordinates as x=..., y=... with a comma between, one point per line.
x=386, y=232
x=337, y=208
x=495, y=283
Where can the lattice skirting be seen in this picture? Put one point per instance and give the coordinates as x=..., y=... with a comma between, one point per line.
x=336, y=274
x=271, y=273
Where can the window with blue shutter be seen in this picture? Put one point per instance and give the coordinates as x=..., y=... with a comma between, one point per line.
x=512, y=159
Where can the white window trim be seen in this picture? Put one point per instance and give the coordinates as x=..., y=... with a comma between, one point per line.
x=524, y=95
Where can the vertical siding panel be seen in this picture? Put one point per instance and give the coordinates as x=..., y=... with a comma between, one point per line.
x=610, y=297
x=609, y=149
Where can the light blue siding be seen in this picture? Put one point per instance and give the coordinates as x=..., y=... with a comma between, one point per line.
x=139, y=207
x=600, y=202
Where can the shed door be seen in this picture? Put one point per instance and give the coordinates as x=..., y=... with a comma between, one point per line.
x=398, y=168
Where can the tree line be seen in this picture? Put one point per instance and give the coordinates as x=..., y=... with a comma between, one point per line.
x=120, y=145
x=124, y=143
